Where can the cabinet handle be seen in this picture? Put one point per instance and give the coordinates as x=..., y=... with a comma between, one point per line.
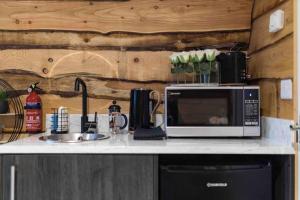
x=12, y=182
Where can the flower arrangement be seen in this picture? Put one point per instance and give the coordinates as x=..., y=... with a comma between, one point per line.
x=201, y=62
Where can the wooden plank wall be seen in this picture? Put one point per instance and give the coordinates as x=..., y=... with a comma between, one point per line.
x=271, y=56
x=113, y=45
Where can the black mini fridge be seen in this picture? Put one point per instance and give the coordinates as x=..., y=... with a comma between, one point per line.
x=223, y=182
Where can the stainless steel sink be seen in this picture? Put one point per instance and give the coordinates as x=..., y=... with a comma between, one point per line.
x=73, y=137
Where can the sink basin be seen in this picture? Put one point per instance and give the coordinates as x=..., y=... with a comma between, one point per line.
x=73, y=137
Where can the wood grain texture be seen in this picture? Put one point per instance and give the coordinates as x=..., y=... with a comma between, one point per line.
x=271, y=104
x=114, y=45
x=74, y=104
x=263, y=6
x=275, y=61
x=272, y=56
x=64, y=85
x=7, y=121
x=109, y=75
x=76, y=177
x=285, y=108
x=261, y=37
x=141, y=16
x=269, y=100
x=117, y=41
x=140, y=66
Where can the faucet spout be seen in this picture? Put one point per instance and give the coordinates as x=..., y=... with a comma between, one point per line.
x=84, y=118
x=79, y=82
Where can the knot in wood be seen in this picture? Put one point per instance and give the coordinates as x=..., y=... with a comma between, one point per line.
x=45, y=70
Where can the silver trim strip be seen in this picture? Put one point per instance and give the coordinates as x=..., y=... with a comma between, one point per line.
x=12, y=182
x=251, y=131
x=207, y=131
x=211, y=87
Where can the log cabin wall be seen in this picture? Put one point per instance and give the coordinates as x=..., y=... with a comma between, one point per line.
x=114, y=45
x=271, y=56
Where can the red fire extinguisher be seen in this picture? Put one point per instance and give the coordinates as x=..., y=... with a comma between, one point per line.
x=33, y=110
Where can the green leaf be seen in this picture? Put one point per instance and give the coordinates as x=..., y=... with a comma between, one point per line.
x=189, y=69
x=3, y=95
x=197, y=68
x=205, y=67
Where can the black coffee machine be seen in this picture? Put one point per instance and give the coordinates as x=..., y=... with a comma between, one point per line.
x=143, y=106
x=232, y=67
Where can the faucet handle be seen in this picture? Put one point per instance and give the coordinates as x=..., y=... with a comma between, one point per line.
x=93, y=125
x=96, y=117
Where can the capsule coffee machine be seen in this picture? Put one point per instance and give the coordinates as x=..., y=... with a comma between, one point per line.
x=143, y=106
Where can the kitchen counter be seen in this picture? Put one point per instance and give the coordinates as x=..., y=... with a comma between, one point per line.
x=124, y=144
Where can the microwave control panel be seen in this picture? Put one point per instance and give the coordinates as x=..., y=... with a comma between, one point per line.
x=251, y=107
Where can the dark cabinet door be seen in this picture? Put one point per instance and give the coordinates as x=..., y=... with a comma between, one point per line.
x=78, y=177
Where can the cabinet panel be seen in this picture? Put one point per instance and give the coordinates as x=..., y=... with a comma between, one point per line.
x=76, y=177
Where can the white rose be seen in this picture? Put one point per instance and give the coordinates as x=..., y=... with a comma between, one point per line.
x=193, y=55
x=199, y=55
x=174, y=58
x=211, y=54
x=184, y=57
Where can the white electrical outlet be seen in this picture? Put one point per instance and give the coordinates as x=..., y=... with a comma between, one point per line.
x=286, y=89
x=276, y=21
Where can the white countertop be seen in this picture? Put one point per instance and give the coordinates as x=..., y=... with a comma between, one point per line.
x=124, y=144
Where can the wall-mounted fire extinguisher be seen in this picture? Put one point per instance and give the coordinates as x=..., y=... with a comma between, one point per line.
x=33, y=110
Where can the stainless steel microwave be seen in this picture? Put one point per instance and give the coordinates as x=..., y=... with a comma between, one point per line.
x=217, y=111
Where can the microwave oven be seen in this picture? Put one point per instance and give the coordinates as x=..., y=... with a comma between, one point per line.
x=217, y=111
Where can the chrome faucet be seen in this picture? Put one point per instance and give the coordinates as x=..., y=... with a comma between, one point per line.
x=86, y=125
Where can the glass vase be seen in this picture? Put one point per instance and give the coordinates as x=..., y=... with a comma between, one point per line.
x=214, y=73
x=210, y=75
x=204, y=78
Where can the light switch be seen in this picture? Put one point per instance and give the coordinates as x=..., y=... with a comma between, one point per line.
x=276, y=21
x=286, y=89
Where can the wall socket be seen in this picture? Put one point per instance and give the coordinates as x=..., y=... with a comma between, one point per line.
x=276, y=21
x=286, y=89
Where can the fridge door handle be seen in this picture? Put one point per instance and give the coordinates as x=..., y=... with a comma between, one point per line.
x=12, y=182
x=296, y=128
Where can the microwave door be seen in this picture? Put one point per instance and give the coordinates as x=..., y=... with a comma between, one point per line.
x=237, y=108
x=205, y=112
x=198, y=112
